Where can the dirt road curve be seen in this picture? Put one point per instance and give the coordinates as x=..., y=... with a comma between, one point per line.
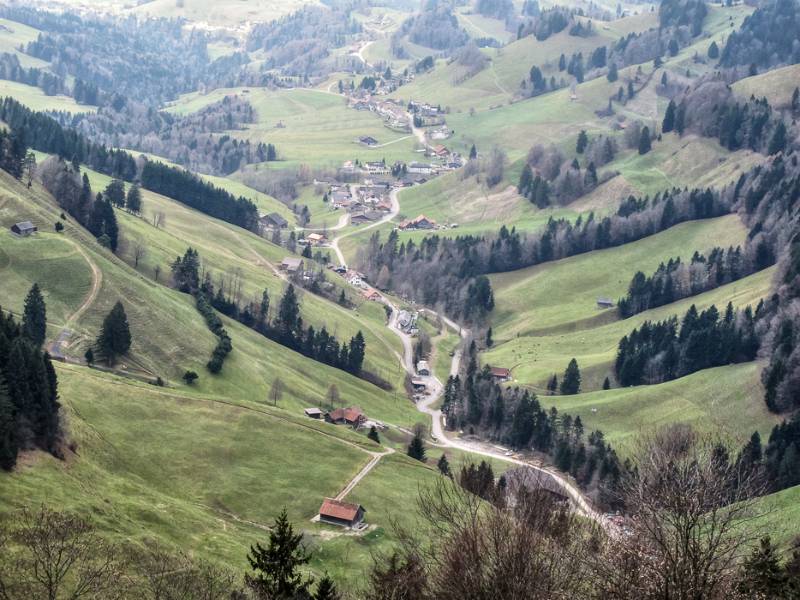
x=56, y=347
x=385, y=219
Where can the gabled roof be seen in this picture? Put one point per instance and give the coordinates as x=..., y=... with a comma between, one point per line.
x=500, y=372
x=276, y=218
x=339, y=510
x=23, y=225
x=350, y=414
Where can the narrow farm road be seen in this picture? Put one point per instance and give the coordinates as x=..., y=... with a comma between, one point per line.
x=376, y=457
x=56, y=346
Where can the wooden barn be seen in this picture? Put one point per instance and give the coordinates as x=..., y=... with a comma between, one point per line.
x=24, y=228
x=344, y=514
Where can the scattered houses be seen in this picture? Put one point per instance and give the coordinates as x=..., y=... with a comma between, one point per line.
x=423, y=369
x=407, y=322
x=24, y=228
x=313, y=413
x=344, y=514
x=368, y=140
x=419, y=385
x=500, y=374
x=292, y=265
x=352, y=416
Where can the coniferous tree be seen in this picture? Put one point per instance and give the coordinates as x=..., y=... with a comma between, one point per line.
x=355, y=358
x=612, y=74
x=288, y=317
x=796, y=100
x=473, y=152
x=669, y=118
x=444, y=466
x=326, y=590
x=277, y=566
x=89, y=356
x=583, y=140
x=373, y=435
x=606, y=384
x=713, y=51
x=9, y=446
x=416, y=449
x=777, y=142
x=763, y=576
x=34, y=318
x=552, y=384
x=133, y=202
x=644, y=141
x=115, y=335
x=115, y=193
x=571, y=382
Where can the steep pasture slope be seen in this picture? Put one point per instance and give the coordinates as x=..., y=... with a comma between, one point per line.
x=777, y=86
x=169, y=335
x=205, y=475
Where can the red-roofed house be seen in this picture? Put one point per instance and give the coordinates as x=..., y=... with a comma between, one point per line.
x=352, y=416
x=341, y=513
x=501, y=373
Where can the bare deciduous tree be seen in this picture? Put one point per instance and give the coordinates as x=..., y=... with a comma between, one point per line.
x=159, y=219
x=694, y=512
x=139, y=250
x=276, y=390
x=157, y=574
x=57, y=555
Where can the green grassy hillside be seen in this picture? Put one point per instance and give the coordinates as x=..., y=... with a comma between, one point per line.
x=208, y=475
x=169, y=334
x=777, y=86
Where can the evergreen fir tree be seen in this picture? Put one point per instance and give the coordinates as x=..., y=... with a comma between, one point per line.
x=796, y=100
x=373, y=435
x=631, y=93
x=9, y=446
x=416, y=449
x=115, y=334
x=713, y=51
x=612, y=74
x=571, y=382
x=664, y=79
x=606, y=384
x=473, y=152
x=115, y=193
x=777, y=142
x=358, y=349
x=583, y=140
x=669, y=118
x=326, y=590
x=133, y=202
x=552, y=384
x=644, y=141
x=444, y=466
x=89, y=356
x=763, y=575
x=34, y=316
x=277, y=566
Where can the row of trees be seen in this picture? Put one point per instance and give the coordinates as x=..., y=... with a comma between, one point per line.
x=662, y=351
x=45, y=134
x=285, y=326
x=676, y=279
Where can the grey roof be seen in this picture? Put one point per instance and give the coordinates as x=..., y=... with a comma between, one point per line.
x=22, y=225
x=276, y=218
